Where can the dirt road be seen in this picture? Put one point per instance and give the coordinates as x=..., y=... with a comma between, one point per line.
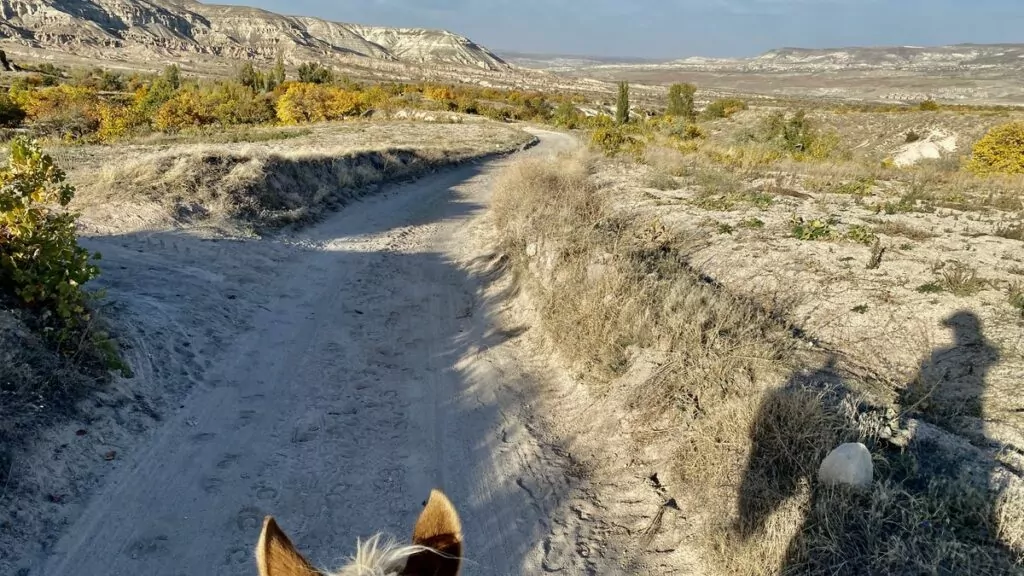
x=337, y=378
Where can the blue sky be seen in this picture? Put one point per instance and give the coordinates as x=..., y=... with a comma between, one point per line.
x=680, y=28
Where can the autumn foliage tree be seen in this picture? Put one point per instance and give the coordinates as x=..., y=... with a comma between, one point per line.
x=40, y=260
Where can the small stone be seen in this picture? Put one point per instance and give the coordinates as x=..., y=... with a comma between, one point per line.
x=596, y=271
x=531, y=249
x=849, y=464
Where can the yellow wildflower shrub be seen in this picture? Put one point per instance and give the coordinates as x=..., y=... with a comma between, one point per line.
x=1000, y=151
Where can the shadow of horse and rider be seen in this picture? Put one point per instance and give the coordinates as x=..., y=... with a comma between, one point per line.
x=851, y=532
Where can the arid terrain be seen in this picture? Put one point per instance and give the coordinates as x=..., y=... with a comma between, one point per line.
x=343, y=265
x=347, y=364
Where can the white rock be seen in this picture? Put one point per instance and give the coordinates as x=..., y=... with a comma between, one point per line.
x=596, y=271
x=848, y=464
x=531, y=249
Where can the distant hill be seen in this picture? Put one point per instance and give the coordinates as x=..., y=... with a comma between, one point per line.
x=923, y=58
x=545, y=60
x=158, y=30
x=908, y=58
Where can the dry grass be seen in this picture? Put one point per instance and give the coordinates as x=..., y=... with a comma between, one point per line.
x=626, y=284
x=750, y=427
x=894, y=228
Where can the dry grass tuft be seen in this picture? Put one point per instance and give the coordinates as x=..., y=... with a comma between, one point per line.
x=902, y=229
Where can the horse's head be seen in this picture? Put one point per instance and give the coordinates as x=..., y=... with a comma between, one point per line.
x=436, y=549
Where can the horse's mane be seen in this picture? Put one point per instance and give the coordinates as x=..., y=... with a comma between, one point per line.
x=437, y=548
x=379, y=556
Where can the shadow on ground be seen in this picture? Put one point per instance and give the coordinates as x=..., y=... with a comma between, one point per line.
x=928, y=511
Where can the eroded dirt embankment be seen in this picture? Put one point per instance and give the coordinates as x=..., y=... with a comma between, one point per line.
x=259, y=187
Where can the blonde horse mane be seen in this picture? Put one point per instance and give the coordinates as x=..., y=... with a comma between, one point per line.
x=380, y=556
x=436, y=549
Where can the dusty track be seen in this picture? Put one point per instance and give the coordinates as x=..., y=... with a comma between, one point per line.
x=337, y=377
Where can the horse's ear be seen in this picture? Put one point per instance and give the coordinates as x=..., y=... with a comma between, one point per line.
x=438, y=528
x=276, y=556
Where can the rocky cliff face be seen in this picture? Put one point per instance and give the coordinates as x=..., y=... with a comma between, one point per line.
x=158, y=29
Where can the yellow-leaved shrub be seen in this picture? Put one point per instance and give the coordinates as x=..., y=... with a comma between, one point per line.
x=1000, y=151
x=303, y=102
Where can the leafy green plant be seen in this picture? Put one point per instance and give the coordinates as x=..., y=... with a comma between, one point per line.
x=172, y=74
x=687, y=131
x=928, y=105
x=817, y=229
x=861, y=234
x=41, y=261
x=11, y=113
x=622, y=104
x=752, y=223
x=724, y=108
x=566, y=115
x=724, y=228
x=929, y=288
x=680, y=101
x=796, y=135
x=858, y=187
x=315, y=73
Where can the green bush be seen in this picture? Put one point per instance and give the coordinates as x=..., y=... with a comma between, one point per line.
x=622, y=104
x=1000, y=151
x=566, y=115
x=816, y=229
x=796, y=135
x=40, y=260
x=10, y=113
x=172, y=74
x=680, y=101
x=314, y=73
x=929, y=105
x=861, y=234
x=724, y=108
x=686, y=131
x=613, y=141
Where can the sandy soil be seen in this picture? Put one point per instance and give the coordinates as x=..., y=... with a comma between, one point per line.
x=330, y=379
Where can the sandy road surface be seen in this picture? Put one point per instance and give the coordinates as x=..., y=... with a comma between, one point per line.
x=338, y=377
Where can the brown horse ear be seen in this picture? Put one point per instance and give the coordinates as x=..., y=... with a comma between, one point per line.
x=438, y=528
x=276, y=556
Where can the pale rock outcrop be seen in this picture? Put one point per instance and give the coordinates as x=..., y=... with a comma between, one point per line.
x=849, y=465
x=154, y=30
